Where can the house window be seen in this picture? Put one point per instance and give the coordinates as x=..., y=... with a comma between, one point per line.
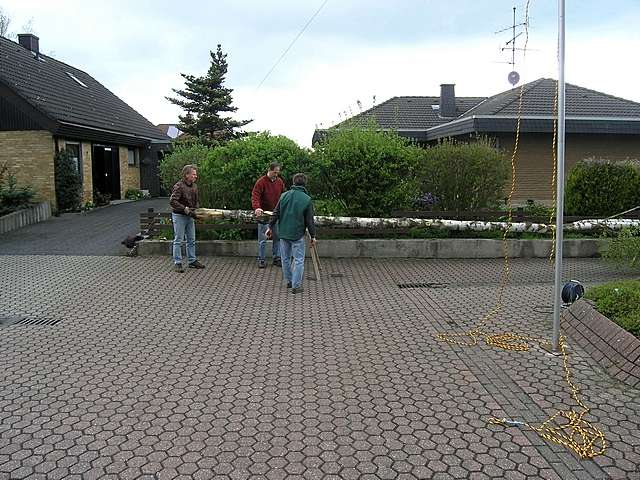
x=133, y=157
x=75, y=153
x=77, y=80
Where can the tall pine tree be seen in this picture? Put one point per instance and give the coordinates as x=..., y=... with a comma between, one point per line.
x=204, y=99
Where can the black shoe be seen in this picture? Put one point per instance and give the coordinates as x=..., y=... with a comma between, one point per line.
x=288, y=284
x=196, y=264
x=297, y=290
x=262, y=263
x=277, y=262
x=177, y=267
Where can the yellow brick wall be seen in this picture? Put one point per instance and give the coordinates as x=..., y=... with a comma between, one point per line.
x=534, y=165
x=87, y=170
x=29, y=155
x=129, y=174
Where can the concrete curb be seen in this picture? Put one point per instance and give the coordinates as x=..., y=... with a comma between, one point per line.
x=385, y=248
x=615, y=349
x=22, y=218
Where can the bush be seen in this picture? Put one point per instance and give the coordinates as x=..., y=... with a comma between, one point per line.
x=13, y=197
x=229, y=172
x=372, y=172
x=190, y=153
x=620, y=302
x=463, y=176
x=624, y=249
x=601, y=188
x=68, y=183
x=133, y=194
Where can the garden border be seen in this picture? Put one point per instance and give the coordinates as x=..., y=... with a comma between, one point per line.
x=26, y=216
x=615, y=349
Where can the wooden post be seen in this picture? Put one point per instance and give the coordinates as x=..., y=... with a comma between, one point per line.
x=315, y=261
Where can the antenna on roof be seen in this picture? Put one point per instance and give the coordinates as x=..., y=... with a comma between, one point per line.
x=513, y=77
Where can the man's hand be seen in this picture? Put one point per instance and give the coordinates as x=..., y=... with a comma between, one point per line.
x=268, y=233
x=258, y=212
x=313, y=242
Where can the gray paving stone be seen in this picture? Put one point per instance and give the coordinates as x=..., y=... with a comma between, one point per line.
x=218, y=374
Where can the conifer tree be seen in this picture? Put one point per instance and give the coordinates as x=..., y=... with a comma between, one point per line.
x=208, y=103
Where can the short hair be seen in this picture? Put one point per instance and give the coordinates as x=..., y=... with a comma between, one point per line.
x=300, y=179
x=273, y=166
x=187, y=169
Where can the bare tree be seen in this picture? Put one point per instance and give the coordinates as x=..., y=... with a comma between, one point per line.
x=5, y=22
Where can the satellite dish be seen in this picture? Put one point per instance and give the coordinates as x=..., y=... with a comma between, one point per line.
x=513, y=77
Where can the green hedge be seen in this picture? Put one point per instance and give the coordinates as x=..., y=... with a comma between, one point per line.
x=370, y=171
x=463, y=176
x=620, y=302
x=68, y=183
x=601, y=188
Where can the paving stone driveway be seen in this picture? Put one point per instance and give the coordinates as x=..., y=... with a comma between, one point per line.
x=95, y=233
x=222, y=373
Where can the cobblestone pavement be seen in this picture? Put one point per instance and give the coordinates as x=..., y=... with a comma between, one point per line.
x=222, y=373
x=95, y=233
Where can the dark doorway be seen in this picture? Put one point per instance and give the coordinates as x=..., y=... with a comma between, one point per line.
x=106, y=171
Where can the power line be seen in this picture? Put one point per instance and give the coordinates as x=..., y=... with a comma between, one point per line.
x=292, y=43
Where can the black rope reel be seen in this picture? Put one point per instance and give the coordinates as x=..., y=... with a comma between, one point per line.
x=572, y=291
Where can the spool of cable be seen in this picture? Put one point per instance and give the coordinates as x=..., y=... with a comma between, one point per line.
x=572, y=291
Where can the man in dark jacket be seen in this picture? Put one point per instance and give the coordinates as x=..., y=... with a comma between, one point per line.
x=184, y=201
x=265, y=195
x=294, y=215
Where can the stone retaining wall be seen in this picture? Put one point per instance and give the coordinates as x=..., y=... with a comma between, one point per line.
x=384, y=248
x=27, y=216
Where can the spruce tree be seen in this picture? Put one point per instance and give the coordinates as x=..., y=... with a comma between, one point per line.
x=204, y=99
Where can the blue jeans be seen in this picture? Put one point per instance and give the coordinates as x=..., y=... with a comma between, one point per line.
x=262, y=241
x=183, y=225
x=295, y=249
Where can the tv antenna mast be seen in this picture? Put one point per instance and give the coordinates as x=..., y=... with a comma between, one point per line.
x=513, y=77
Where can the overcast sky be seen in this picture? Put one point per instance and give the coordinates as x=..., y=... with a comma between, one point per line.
x=352, y=50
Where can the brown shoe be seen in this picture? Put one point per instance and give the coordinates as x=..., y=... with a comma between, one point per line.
x=196, y=264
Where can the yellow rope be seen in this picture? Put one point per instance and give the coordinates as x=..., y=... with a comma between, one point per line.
x=564, y=427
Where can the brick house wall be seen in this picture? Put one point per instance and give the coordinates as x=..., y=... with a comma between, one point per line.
x=534, y=165
x=129, y=174
x=29, y=155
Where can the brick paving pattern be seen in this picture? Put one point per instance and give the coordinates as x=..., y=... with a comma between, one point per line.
x=222, y=373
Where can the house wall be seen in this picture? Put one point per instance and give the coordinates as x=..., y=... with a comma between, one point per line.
x=29, y=155
x=534, y=167
x=129, y=174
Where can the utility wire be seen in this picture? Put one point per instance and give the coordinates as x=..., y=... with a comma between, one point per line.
x=292, y=43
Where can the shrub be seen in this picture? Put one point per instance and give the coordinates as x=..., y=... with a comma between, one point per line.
x=620, y=302
x=372, y=172
x=190, y=153
x=463, y=176
x=624, y=249
x=133, y=194
x=68, y=183
x=13, y=197
x=601, y=188
x=229, y=172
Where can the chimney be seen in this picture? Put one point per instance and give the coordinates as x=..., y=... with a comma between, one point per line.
x=29, y=41
x=447, y=100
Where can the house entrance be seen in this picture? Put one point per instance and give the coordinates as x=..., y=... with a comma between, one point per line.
x=106, y=171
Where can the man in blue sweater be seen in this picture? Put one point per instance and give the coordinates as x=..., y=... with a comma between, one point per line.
x=294, y=215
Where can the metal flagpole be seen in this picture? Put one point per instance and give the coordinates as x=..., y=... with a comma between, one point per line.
x=559, y=181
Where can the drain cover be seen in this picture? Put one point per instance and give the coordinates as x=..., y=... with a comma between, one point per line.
x=8, y=321
x=422, y=285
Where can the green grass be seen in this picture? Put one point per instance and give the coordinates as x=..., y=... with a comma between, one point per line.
x=619, y=301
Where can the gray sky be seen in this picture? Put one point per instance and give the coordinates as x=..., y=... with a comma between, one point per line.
x=353, y=50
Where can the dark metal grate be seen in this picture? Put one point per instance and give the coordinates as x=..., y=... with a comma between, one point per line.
x=38, y=321
x=422, y=285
